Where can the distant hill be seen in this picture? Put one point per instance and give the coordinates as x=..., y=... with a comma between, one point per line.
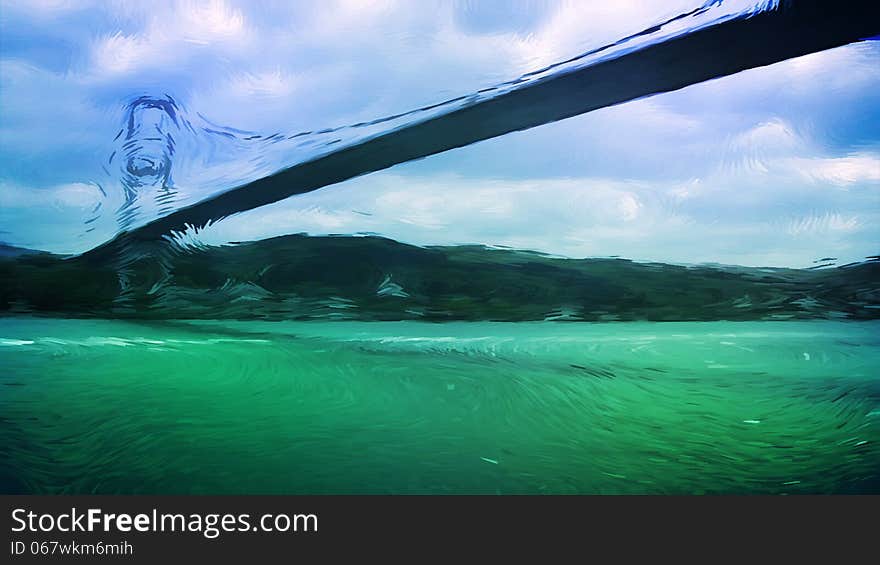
x=7, y=250
x=372, y=278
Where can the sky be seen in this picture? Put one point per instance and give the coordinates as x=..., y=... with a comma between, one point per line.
x=775, y=166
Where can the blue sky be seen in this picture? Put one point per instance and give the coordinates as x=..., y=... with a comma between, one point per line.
x=777, y=166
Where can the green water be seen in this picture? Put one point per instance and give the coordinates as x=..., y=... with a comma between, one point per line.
x=406, y=407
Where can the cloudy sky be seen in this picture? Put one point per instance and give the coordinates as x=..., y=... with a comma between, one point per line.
x=777, y=166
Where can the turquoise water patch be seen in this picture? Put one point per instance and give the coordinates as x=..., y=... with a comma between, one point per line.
x=408, y=407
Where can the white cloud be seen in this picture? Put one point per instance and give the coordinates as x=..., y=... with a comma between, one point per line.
x=79, y=196
x=206, y=21
x=838, y=171
x=824, y=223
x=271, y=84
x=119, y=53
x=173, y=34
